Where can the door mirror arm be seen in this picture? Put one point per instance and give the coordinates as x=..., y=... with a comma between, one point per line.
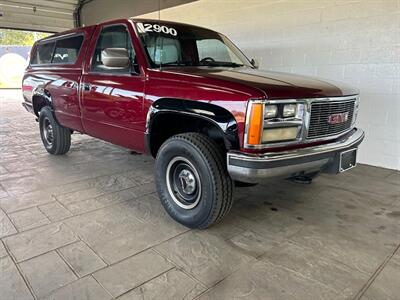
x=133, y=67
x=254, y=62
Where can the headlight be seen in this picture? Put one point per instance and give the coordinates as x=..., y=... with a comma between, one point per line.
x=273, y=123
x=289, y=110
x=271, y=111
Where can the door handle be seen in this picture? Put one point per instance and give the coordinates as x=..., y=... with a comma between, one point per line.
x=86, y=87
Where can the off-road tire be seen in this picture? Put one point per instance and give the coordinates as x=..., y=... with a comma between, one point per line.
x=60, y=136
x=208, y=162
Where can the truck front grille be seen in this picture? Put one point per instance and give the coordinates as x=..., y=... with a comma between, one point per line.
x=320, y=115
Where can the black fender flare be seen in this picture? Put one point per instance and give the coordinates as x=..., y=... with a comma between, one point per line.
x=217, y=115
x=41, y=97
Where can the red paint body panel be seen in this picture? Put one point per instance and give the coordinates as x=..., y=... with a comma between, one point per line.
x=114, y=108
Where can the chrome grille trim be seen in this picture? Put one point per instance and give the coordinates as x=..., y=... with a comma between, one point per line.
x=303, y=137
x=320, y=112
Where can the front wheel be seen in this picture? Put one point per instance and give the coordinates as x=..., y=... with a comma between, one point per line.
x=192, y=181
x=56, y=138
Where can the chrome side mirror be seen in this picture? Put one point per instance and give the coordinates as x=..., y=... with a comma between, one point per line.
x=254, y=62
x=115, y=58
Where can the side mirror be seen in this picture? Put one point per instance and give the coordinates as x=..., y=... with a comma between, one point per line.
x=254, y=62
x=115, y=58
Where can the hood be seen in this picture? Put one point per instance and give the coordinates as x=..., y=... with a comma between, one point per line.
x=275, y=85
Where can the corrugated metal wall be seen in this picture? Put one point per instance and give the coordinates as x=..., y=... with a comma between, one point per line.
x=38, y=15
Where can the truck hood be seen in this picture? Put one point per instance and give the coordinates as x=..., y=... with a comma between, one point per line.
x=275, y=85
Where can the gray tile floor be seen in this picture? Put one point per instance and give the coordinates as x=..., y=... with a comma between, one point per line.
x=88, y=225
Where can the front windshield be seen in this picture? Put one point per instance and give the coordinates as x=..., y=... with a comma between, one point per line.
x=182, y=45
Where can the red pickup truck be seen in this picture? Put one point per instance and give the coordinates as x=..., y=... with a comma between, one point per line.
x=190, y=98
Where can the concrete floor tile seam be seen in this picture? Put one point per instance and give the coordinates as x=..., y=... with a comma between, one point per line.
x=95, y=252
x=46, y=217
x=251, y=260
x=67, y=263
x=60, y=205
x=101, y=195
x=220, y=281
x=89, y=179
x=20, y=209
x=328, y=260
x=179, y=268
x=45, y=252
x=150, y=279
x=72, y=216
x=100, y=284
x=24, y=231
x=108, y=264
x=152, y=248
x=11, y=222
x=350, y=191
x=19, y=270
x=332, y=258
x=376, y=274
x=303, y=276
x=335, y=184
x=106, y=206
x=291, y=271
x=394, y=172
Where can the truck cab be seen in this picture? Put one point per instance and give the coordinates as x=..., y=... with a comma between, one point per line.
x=190, y=98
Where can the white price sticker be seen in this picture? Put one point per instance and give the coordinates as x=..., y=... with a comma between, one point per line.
x=147, y=27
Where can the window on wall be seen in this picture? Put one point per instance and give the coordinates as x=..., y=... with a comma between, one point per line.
x=113, y=37
x=67, y=50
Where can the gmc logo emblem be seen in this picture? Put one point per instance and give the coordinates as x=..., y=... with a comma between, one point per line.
x=338, y=118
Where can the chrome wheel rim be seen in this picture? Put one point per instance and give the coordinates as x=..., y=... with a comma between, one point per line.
x=183, y=182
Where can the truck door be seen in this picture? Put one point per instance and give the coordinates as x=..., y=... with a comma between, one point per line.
x=112, y=98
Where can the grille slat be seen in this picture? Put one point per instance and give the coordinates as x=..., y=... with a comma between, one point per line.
x=320, y=112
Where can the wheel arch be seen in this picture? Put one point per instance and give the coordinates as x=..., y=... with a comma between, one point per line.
x=170, y=116
x=41, y=98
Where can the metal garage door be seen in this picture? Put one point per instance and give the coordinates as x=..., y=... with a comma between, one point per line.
x=38, y=15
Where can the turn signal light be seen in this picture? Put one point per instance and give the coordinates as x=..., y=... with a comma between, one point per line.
x=256, y=124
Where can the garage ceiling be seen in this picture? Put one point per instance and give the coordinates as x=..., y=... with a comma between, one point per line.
x=39, y=15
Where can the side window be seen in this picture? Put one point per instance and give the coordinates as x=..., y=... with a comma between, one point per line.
x=44, y=52
x=113, y=37
x=67, y=50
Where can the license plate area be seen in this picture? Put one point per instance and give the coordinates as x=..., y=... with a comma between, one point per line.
x=348, y=160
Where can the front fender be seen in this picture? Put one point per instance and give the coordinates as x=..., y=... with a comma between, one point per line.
x=212, y=113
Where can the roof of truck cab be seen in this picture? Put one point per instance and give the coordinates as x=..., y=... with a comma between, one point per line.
x=166, y=22
x=135, y=20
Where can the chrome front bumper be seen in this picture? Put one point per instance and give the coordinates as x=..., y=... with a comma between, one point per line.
x=254, y=168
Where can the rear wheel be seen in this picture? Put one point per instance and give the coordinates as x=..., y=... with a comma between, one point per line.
x=192, y=181
x=56, y=138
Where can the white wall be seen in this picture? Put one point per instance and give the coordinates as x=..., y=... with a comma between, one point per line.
x=97, y=11
x=354, y=41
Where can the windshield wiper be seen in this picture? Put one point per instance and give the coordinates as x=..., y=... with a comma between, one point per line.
x=222, y=64
x=174, y=63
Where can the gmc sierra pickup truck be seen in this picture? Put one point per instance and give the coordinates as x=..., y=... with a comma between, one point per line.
x=190, y=98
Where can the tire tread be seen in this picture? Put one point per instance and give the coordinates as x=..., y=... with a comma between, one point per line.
x=224, y=185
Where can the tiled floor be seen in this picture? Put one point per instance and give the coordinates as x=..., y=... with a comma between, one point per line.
x=89, y=225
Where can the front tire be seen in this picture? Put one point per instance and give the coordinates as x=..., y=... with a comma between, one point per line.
x=56, y=138
x=192, y=181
